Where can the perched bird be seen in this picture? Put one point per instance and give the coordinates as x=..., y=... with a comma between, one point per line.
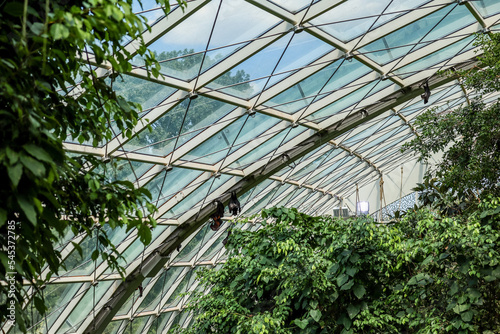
x=224, y=242
x=427, y=93
x=217, y=215
x=234, y=204
x=141, y=289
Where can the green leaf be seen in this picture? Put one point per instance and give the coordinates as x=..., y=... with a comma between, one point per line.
x=351, y=271
x=95, y=255
x=302, y=324
x=353, y=310
x=467, y=316
x=40, y=305
x=38, y=152
x=59, y=31
x=461, y=308
x=313, y=304
x=28, y=209
x=315, y=314
x=3, y=217
x=332, y=270
x=359, y=291
x=496, y=272
x=36, y=167
x=37, y=28
x=144, y=233
x=427, y=260
x=348, y=285
x=12, y=155
x=15, y=172
x=344, y=320
x=490, y=278
x=14, y=8
x=342, y=279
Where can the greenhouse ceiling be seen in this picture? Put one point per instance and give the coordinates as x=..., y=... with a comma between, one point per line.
x=285, y=102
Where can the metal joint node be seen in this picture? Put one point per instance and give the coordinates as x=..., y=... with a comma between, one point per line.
x=193, y=95
x=298, y=29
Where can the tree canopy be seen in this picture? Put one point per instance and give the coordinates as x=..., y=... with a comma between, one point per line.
x=469, y=136
x=51, y=92
x=429, y=272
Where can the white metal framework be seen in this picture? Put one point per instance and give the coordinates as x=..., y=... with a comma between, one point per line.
x=286, y=102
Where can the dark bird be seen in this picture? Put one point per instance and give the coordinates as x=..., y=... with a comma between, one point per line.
x=224, y=242
x=427, y=93
x=234, y=204
x=141, y=289
x=217, y=216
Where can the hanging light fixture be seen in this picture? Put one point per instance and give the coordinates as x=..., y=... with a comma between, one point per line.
x=363, y=207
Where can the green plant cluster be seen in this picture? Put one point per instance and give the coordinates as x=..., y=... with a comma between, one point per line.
x=50, y=91
x=427, y=273
x=469, y=136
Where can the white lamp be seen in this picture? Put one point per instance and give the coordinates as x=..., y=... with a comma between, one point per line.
x=363, y=208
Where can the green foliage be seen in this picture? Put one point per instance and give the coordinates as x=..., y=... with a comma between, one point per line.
x=46, y=46
x=428, y=273
x=468, y=136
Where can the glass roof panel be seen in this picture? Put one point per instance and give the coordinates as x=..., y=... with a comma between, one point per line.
x=292, y=5
x=231, y=138
x=151, y=10
x=184, y=284
x=386, y=138
x=355, y=17
x=339, y=164
x=437, y=57
x=195, y=244
x=113, y=327
x=195, y=197
x=236, y=23
x=257, y=190
x=487, y=7
x=85, y=305
x=124, y=169
x=167, y=184
x=316, y=164
x=269, y=197
x=193, y=115
x=213, y=249
x=349, y=100
x=278, y=60
x=291, y=168
x=157, y=292
x=136, y=248
x=145, y=92
x=57, y=297
x=330, y=78
x=416, y=35
x=137, y=325
x=267, y=147
x=160, y=322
